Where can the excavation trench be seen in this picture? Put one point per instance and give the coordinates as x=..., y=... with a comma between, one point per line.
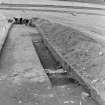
x=59, y=77
x=51, y=66
x=20, y=69
x=47, y=59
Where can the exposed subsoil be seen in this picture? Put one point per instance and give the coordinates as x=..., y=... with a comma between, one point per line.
x=84, y=54
x=60, y=80
x=22, y=77
x=46, y=58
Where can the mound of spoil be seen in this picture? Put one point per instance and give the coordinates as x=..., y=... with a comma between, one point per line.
x=83, y=54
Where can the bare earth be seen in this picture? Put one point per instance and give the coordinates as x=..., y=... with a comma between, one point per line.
x=22, y=77
x=33, y=1
x=85, y=55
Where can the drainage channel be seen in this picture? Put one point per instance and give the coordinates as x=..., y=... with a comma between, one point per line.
x=68, y=90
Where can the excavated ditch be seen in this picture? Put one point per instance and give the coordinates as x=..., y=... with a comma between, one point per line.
x=46, y=58
x=52, y=67
x=59, y=78
x=84, y=54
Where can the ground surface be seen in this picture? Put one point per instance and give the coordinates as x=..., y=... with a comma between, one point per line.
x=22, y=77
x=32, y=1
x=17, y=87
x=86, y=1
x=84, y=54
x=90, y=20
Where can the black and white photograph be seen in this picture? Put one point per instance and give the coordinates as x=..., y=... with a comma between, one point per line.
x=52, y=52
